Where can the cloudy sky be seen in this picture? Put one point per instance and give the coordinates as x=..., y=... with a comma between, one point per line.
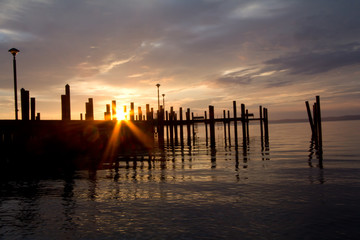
x=275, y=53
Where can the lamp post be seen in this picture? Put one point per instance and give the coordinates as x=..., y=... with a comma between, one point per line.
x=163, y=101
x=158, y=85
x=14, y=51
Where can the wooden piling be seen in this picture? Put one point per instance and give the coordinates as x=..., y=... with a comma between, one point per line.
x=193, y=126
x=89, y=107
x=318, y=114
x=206, y=128
x=243, y=122
x=229, y=123
x=266, y=124
x=167, y=127
x=24, y=104
x=224, y=122
x=247, y=124
x=32, y=100
x=188, y=126
x=235, y=123
x=311, y=122
x=171, y=122
x=132, y=112
x=181, y=126
x=140, y=114
x=212, y=126
x=261, y=123
x=113, y=109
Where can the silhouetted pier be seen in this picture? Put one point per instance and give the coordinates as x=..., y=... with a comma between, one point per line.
x=32, y=137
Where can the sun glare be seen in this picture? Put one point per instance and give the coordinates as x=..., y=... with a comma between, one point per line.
x=121, y=115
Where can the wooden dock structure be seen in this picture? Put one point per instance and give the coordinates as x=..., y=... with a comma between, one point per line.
x=32, y=137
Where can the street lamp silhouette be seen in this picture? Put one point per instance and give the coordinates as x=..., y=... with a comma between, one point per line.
x=163, y=101
x=14, y=51
x=158, y=85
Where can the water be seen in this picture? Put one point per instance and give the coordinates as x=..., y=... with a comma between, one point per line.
x=277, y=191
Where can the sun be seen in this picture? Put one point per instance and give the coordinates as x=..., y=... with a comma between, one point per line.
x=120, y=115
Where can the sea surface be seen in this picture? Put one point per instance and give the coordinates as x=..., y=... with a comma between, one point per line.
x=280, y=189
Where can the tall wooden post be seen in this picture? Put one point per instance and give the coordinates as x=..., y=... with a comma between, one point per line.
x=171, y=118
x=235, y=123
x=24, y=104
x=224, y=121
x=32, y=108
x=132, y=112
x=212, y=126
x=188, y=126
x=261, y=123
x=89, y=108
x=318, y=113
x=140, y=114
x=113, y=109
x=206, y=129
x=65, y=104
x=167, y=127
x=229, y=122
x=193, y=126
x=181, y=127
x=247, y=124
x=310, y=118
x=243, y=122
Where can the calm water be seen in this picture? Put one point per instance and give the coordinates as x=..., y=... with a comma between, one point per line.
x=279, y=191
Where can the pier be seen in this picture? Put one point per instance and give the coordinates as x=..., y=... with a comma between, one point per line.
x=32, y=138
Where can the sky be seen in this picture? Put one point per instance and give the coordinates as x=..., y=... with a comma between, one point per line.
x=274, y=53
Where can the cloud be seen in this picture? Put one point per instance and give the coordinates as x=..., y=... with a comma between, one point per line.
x=7, y=35
x=320, y=61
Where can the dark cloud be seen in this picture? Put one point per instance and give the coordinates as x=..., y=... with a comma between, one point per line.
x=242, y=77
x=318, y=61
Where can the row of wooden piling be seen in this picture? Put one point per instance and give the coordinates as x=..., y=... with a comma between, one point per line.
x=28, y=106
x=171, y=120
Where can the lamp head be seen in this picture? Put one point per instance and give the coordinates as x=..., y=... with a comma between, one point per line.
x=13, y=51
x=158, y=85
